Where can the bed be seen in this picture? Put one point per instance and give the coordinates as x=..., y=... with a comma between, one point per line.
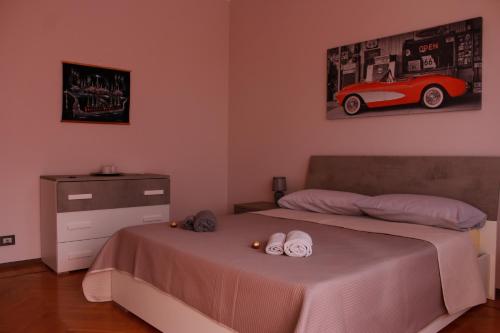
x=194, y=300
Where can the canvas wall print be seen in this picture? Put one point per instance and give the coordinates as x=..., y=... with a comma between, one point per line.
x=426, y=71
x=95, y=94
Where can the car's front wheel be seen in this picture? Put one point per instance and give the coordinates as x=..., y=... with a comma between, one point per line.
x=352, y=105
x=433, y=97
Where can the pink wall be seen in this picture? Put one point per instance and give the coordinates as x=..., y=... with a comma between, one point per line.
x=177, y=51
x=277, y=81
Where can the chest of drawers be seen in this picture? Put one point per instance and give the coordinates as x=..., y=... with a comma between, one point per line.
x=78, y=214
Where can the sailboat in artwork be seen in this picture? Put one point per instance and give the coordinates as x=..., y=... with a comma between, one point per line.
x=95, y=96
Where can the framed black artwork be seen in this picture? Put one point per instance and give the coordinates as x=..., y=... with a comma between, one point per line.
x=95, y=94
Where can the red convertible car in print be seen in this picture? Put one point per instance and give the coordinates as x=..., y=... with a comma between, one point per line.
x=430, y=90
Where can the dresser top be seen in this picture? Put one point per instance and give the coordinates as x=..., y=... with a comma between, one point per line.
x=85, y=178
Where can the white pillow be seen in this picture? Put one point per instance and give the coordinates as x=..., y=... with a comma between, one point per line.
x=424, y=209
x=323, y=201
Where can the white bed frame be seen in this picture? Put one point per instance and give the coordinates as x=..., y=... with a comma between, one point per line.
x=170, y=315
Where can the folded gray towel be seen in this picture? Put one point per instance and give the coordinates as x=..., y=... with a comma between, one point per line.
x=188, y=223
x=205, y=221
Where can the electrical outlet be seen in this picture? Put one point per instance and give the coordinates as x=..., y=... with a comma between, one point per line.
x=7, y=240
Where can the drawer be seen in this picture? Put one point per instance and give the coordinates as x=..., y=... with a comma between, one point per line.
x=90, y=224
x=108, y=194
x=78, y=255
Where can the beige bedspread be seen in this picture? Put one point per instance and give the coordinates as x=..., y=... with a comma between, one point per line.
x=354, y=281
x=459, y=269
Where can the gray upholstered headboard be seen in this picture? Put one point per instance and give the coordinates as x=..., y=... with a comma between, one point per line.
x=475, y=180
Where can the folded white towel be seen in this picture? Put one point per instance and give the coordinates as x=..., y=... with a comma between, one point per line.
x=298, y=244
x=276, y=243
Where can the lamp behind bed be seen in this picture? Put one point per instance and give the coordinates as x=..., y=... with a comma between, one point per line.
x=279, y=188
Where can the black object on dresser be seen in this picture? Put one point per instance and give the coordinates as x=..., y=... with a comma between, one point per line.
x=253, y=206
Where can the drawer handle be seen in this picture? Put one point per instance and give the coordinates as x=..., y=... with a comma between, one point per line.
x=80, y=255
x=84, y=196
x=154, y=192
x=153, y=219
x=79, y=225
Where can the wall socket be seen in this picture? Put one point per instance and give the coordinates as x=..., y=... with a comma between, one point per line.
x=7, y=240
